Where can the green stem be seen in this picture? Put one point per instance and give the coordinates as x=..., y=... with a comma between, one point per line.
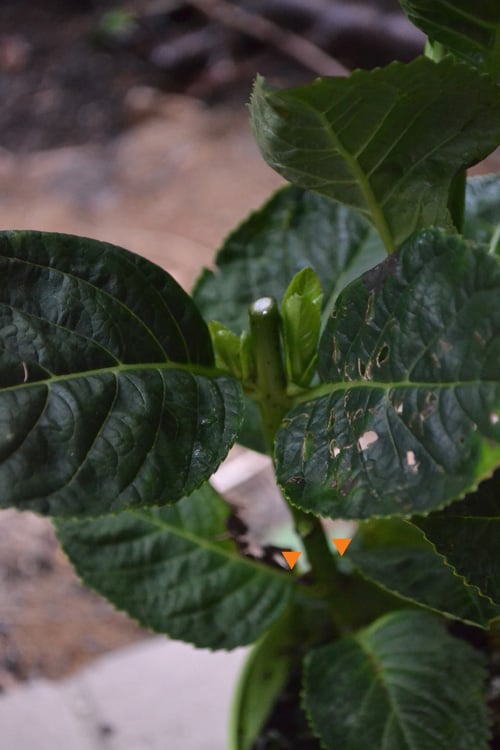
x=270, y=379
x=270, y=382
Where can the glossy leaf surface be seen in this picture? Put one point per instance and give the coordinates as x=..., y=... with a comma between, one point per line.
x=398, y=558
x=471, y=30
x=172, y=570
x=468, y=535
x=108, y=397
x=365, y=142
x=410, y=364
x=403, y=683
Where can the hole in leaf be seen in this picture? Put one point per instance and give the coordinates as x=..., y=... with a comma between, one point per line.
x=366, y=439
x=382, y=355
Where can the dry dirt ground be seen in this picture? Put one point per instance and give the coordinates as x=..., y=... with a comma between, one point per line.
x=170, y=189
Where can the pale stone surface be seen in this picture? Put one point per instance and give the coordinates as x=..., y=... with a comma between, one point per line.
x=157, y=695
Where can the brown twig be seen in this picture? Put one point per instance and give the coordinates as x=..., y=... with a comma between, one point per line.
x=291, y=44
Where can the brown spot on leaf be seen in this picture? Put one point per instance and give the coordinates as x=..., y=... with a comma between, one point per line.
x=375, y=278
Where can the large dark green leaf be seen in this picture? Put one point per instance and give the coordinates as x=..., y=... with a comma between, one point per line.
x=294, y=230
x=468, y=535
x=406, y=419
x=470, y=30
x=482, y=211
x=108, y=398
x=403, y=683
x=396, y=556
x=173, y=570
x=387, y=142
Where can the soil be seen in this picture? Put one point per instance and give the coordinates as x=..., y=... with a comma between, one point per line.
x=80, y=71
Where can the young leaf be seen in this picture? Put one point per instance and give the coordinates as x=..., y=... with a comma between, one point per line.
x=301, y=318
x=294, y=230
x=482, y=212
x=172, y=570
x=364, y=141
x=402, y=683
x=395, y=555
x=469, y=30
x=468, y=533
x=226, y=348
x=108, y=397
x=410, y=364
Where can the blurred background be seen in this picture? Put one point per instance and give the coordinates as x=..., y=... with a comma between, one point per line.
x=125, y=121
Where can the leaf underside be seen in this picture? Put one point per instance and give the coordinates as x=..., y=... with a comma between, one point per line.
x=108, y=397
x=406, y=420
x=364, y=142
x=402, y=683
x=395, y=555
x=172, y=570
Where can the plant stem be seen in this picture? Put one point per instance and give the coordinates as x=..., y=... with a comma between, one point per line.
x=270, y=382
x=270, y=377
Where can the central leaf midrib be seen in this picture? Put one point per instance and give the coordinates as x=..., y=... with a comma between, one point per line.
x=371, y=201
x=328, y=389
x=379, y=676
x=191, y=369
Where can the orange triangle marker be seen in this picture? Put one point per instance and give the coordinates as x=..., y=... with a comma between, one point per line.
x=342, y=544
x=291, y=557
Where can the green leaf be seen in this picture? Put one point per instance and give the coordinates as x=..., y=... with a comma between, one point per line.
x=471, y=30
x=467, y=534
x=294, y=230
x=403, y=683
x=405, y=421
x=301, y=318
x=173, y=571
x=482, y=212
x=395, y=555
x=370, y=141
x=263, y=677
x=108, y=397
x=226, y=348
